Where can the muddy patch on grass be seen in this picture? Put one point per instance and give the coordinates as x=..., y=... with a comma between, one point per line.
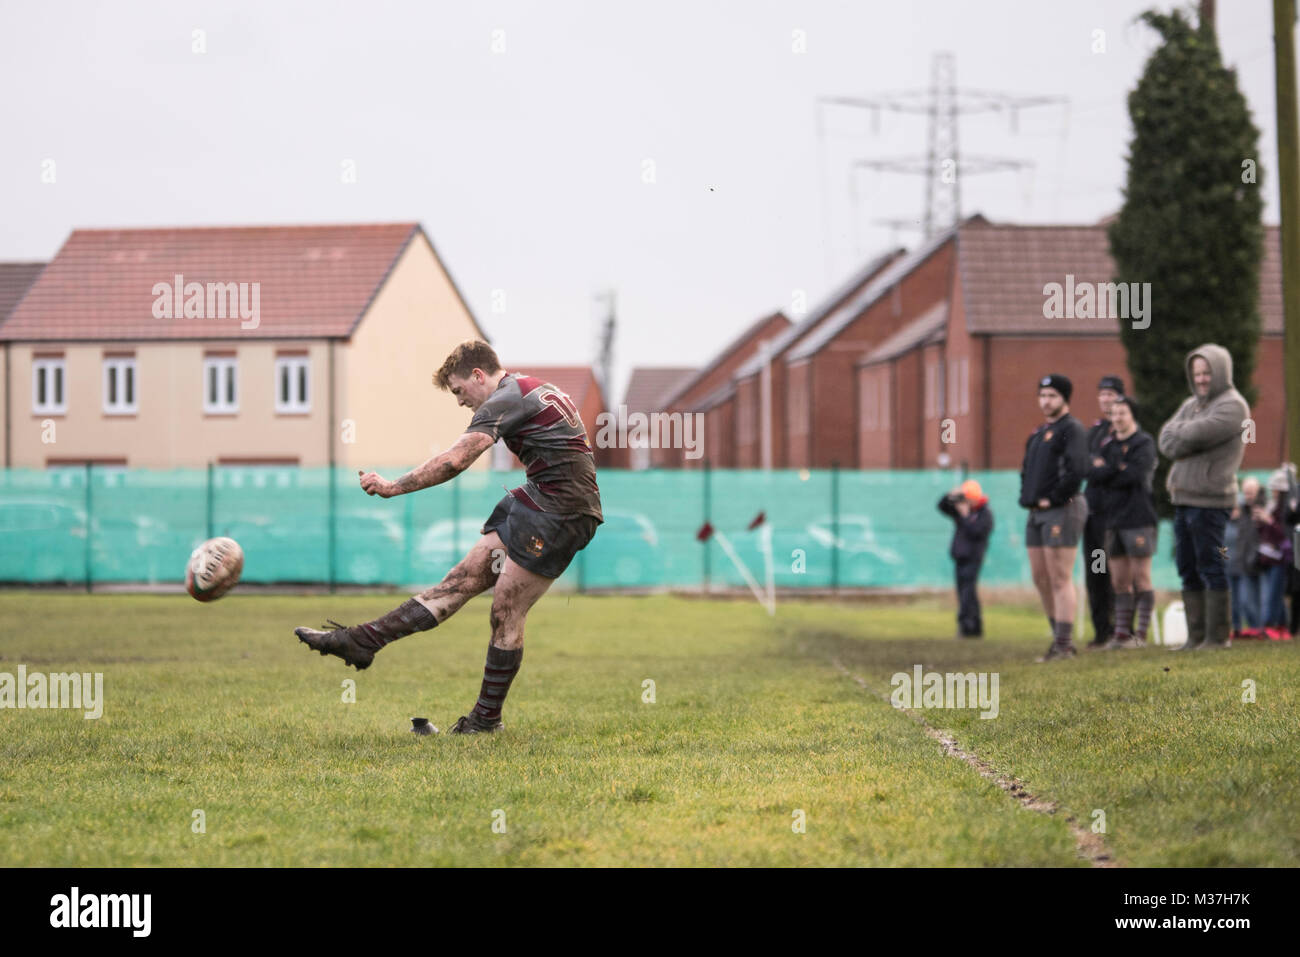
x=1090, y=846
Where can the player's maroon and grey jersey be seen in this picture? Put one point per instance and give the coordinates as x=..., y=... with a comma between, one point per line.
x=541, y=425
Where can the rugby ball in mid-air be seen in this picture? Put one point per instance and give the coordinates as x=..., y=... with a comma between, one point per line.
x=214, y=568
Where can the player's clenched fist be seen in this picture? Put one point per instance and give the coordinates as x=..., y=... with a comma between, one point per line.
x=372, y=484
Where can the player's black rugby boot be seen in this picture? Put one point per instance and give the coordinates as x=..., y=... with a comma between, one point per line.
x=472, y=724
x=341, y=642
x=357, y=645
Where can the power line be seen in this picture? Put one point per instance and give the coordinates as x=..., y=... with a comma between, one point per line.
x=942, y=103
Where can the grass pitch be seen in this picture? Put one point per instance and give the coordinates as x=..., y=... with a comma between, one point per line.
x=219, y=709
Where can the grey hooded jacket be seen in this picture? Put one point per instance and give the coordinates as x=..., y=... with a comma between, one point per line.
x=1204, y=437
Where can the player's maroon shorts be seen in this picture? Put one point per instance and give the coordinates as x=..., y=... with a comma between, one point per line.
x=542, y=542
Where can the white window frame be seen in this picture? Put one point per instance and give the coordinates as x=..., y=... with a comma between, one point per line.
x=297, y=404
x=50, y=367
x=123, y=364
x=229, y=365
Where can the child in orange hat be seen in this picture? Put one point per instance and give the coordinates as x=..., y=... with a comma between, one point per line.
x=967, y=506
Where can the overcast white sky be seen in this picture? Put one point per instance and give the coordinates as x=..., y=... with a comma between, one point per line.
x=526, y=164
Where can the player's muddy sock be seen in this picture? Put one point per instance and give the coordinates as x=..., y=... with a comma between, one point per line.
x=1124, y=602
x=1146, y=603
x=498, y=672
x=406, y=619
x=1062, y=631
x=1052, y=622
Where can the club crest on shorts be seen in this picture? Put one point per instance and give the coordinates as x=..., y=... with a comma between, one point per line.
x=535, y=546
x=1141, y=540
x=1056, y=530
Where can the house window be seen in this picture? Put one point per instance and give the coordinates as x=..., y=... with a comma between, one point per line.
x=292, y=384
x=220, y=385
x=798, y=405
x=48, y=397
x=120, y=386
x=870, y=410
x=746, y=426
x=958, y=392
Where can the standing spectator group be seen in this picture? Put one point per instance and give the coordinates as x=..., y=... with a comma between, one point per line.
x=1233, y=550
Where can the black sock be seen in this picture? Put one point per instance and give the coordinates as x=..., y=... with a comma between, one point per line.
x=1062, y=631
x=1125, y=602
x=499, y=670
x=406, y=619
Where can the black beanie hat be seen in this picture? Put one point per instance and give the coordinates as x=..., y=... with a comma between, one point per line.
x=1129, y=401
x=1058, y=382
x=1112, y=382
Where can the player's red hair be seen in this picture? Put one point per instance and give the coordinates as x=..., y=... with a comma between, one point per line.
x=465, y=358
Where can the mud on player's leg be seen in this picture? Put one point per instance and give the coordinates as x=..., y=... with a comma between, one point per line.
x=474, y=574
x=517, y=590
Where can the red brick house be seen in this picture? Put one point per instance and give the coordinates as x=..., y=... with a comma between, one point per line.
x=710, y=388
x=968, y=365
x=821, y=408
x=750, y=388
x=646, y=389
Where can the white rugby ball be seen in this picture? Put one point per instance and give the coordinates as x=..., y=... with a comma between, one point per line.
x=214, y=568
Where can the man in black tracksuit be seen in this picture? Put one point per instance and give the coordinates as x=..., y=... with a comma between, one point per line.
x=1100, y=596
x=967, y=506
x=1056, y=461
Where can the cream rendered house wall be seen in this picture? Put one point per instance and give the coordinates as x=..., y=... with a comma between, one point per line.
x=170, y=428
x=387, y=403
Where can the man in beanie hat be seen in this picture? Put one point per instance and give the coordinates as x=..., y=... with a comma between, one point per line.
x=1100, y=598
x=967, y=505
x=1056, y=460
x=1204, y=440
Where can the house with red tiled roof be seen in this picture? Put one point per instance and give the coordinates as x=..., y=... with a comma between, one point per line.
x=579, y=383
x=15, y=280
x=821, y=424
x=171, y=348
x=646, y=388
x=710, y=393
x=956, y=383
x=760, y=386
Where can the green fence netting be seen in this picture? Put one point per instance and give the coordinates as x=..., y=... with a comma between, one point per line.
x=827, y=528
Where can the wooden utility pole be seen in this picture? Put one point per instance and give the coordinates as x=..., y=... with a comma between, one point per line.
x=1288, y=164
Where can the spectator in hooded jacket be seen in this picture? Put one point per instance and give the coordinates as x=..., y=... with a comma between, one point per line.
x=1242, y=540
x=967, y=506
x=1204, y=440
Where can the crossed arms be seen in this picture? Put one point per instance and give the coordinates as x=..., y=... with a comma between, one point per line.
x=1185, y=435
